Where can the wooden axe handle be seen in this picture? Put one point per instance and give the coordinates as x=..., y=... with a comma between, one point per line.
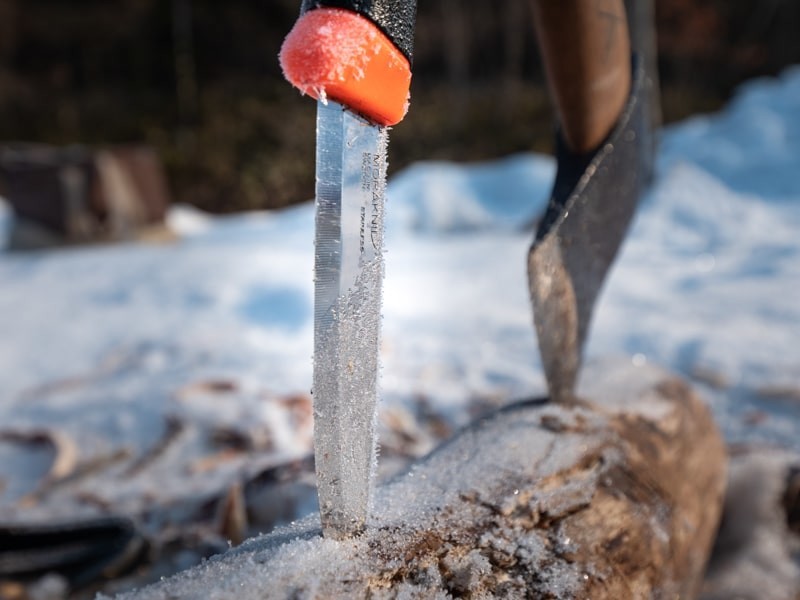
x=587, y=56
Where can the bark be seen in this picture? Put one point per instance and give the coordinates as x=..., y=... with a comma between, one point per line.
x=618, y=497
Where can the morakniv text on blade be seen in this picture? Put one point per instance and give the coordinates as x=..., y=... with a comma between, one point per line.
x=355, y=58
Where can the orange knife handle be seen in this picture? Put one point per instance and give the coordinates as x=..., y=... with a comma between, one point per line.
x=356, y=52
x=395, y=18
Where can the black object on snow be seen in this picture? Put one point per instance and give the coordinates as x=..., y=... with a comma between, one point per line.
x=81, y=552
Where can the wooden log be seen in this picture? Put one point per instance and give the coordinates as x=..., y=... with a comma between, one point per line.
x=616, y=498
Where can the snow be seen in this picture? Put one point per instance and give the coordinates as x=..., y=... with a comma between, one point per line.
x=760, y=559
x=108, y=345
x=441, y=197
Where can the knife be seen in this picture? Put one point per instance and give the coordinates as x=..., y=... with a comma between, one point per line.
x=354, y=57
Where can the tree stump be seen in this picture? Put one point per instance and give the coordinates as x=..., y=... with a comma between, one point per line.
x=618, y=497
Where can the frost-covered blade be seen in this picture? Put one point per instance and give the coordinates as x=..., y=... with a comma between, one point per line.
x=351, y=176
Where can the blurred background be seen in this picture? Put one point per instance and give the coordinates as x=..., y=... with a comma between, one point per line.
x=198, y=82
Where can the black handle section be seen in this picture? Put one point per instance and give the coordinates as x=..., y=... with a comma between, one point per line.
x=395, y=18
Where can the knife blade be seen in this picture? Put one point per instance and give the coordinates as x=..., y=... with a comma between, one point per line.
x=351, y=175
x=354, y=56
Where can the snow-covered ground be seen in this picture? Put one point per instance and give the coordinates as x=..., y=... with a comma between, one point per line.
x=110, y=347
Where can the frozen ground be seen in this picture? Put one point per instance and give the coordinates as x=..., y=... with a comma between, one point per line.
x=156, y=367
